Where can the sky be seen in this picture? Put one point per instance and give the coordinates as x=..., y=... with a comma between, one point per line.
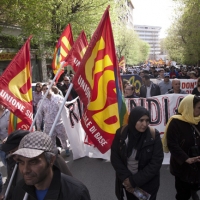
x=154, y=13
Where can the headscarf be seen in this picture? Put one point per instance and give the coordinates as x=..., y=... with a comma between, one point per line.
x=186, y=111
x=135, y=138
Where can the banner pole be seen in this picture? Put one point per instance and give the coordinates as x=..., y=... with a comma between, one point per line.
x=45, y=95
x=60, y=109
x=11, y=180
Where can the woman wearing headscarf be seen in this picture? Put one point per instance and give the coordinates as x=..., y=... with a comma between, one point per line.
x=137, y=155
x=182, y=139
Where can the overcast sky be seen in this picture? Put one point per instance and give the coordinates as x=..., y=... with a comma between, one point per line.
x=153, y=12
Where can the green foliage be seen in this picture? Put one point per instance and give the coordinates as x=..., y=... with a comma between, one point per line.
x=45, y=20
x=183, y=40
x=7, y=41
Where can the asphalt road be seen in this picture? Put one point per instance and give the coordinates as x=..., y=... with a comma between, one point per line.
x=99, y=177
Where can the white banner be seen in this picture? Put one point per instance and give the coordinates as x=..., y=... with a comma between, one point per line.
x=161, y=108
x=186, y=84
x=71, y=120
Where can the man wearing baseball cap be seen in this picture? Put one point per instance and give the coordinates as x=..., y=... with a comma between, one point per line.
x=10, y=146
x=42, y=180
x=166, y=84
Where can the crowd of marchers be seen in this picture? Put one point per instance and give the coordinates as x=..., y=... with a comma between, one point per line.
x=136, y=151
x=169, y=83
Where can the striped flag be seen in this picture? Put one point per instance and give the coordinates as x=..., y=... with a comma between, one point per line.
x=62, y=49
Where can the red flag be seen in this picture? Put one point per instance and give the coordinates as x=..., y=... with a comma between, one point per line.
x=77, y=51
x=15, y=85
x=15, y=124
x=122, y=63
x=97, y=84
x=62, y=49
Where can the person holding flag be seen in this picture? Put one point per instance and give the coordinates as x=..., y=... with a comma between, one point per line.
x=48, y=112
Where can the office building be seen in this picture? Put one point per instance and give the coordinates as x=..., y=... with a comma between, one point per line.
x=150, y=34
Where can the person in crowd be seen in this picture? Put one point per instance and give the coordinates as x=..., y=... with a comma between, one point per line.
x=155, y=74
x=47, y=113
x=149, y=89
x=56, y=91
x=71, y=76
x=184, y=74
x=130, y=92
x=65, y=87
x=182, y=139
x=176, y=87
x=37, y=95
x=173, y=73
x=193, y=75
x=9, y=147
x=161, y=72
x=141, y=73
x=125, y=83
x=196, y=90
x=4, y=122
x=146, y=72
x=166, y=84
x=137, y=155
x=41, y=178
x=197, y=71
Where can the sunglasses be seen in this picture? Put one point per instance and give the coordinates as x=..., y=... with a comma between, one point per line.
x=38, y=86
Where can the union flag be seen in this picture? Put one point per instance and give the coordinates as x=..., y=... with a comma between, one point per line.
x=15, y=85
x=15, y=124
x=122, y=63
x=62, y=49
x=77, y=51
x=97, y=83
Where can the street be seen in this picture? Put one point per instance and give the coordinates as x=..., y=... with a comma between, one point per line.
x=99, y=177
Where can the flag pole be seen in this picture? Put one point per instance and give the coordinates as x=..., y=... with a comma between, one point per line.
x=45, y=95
x=11, y=180
x=60, y=109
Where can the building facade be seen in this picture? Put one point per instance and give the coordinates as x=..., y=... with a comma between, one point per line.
x=150, y=34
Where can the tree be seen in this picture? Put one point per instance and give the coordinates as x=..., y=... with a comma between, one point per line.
x=183, y=38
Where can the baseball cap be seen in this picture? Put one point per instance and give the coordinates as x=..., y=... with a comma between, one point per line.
x=13, y=140
x=166, y=74
x=34, y=144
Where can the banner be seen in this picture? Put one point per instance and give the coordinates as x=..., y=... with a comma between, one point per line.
x=77, y=136
x=62, y=48
x=15, y=85
x=186, y=84
x=98, y=85
x=77, y=51
x=161, y=108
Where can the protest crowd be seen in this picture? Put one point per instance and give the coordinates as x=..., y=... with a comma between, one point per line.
x=85, y=116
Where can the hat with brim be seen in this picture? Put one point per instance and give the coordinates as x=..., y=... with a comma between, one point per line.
x=28, y=153
x=34, y=144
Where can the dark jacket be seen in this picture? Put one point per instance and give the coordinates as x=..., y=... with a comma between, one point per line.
x=61, y=187
x=149, y=163
x=180, y=139
x=155, y=90
x=59, y=162
x=72, y=94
